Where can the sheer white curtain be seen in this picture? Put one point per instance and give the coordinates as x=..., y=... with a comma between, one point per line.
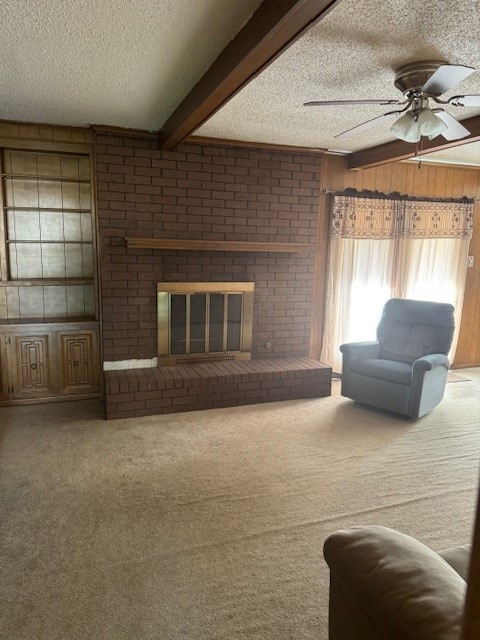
x=433, y=269
x=382, y=248
x=359, y=285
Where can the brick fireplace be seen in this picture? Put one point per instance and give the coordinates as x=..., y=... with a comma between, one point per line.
x=209, y=193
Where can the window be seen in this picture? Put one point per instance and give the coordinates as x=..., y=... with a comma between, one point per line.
x=383, y=247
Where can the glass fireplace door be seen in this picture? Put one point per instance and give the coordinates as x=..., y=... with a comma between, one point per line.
x=204, y=325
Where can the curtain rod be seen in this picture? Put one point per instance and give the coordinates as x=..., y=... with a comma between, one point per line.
x=396, y=195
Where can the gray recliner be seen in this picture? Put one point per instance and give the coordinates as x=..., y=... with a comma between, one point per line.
x=406, y=369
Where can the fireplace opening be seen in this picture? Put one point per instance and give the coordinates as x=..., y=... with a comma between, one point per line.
x=204, y=321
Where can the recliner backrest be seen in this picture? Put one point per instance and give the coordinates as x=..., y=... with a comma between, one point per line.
x=410, y=329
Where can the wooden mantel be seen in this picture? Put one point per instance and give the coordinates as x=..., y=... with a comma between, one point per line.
x=218, y=245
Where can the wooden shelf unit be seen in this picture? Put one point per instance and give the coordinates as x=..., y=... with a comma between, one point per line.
x=49, y=330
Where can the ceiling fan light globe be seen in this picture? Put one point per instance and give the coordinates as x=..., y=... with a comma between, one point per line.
x=406, y=128
x=430, y=125
x=433, y=135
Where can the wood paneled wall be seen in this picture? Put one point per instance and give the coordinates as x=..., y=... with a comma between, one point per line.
x=433, y=180
x=44, y=133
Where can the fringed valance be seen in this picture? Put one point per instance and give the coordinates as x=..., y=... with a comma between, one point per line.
x=363, y=217
x=437, y=219
x=372, y=214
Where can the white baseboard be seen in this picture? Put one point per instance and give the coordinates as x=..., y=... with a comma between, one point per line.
x=144, y=363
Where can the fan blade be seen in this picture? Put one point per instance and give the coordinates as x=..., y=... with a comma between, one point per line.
x=446, y=77
x=322, y=103
x=465, y=101
x=455, y=129
x=364, y=126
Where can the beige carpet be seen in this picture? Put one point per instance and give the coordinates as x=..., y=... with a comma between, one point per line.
x=210, y=525
x=454, y=377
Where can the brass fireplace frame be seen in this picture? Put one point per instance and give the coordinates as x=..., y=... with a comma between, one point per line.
x=164, y=293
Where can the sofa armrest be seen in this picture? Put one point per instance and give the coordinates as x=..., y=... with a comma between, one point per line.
x=427, y=363
x=407, y=590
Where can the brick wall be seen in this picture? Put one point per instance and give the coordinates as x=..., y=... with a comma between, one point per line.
x=210, y=193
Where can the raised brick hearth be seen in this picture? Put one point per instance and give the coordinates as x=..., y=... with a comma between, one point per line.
x=140, y=392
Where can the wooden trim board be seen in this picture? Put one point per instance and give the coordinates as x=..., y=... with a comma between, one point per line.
x=218, y=245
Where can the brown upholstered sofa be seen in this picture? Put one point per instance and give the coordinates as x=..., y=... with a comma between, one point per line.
x=387, y=585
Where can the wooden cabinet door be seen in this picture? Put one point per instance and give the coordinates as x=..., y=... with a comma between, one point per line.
x=79, y=366
x=32, y=378
x=5, y=388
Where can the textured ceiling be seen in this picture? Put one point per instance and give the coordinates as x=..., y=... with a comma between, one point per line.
x=129, y=63
x=118, y=62
x=466, y=154
x=352, y=54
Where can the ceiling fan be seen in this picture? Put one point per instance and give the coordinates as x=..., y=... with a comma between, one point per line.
x=420, y=83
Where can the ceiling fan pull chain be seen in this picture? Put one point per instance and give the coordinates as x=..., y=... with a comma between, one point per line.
x=418, y=149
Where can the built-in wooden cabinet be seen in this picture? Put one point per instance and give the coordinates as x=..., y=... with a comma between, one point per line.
x=49, y=361
x=48, y=302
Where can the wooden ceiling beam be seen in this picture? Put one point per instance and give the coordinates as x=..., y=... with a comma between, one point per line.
x=229, y=142
x=400, y=150
x=271, y=30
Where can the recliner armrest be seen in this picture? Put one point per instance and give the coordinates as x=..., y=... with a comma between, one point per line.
x=433, y=360
x=406, y=589
x=355, y=350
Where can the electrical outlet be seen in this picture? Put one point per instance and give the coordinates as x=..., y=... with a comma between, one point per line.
x=470, y=261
